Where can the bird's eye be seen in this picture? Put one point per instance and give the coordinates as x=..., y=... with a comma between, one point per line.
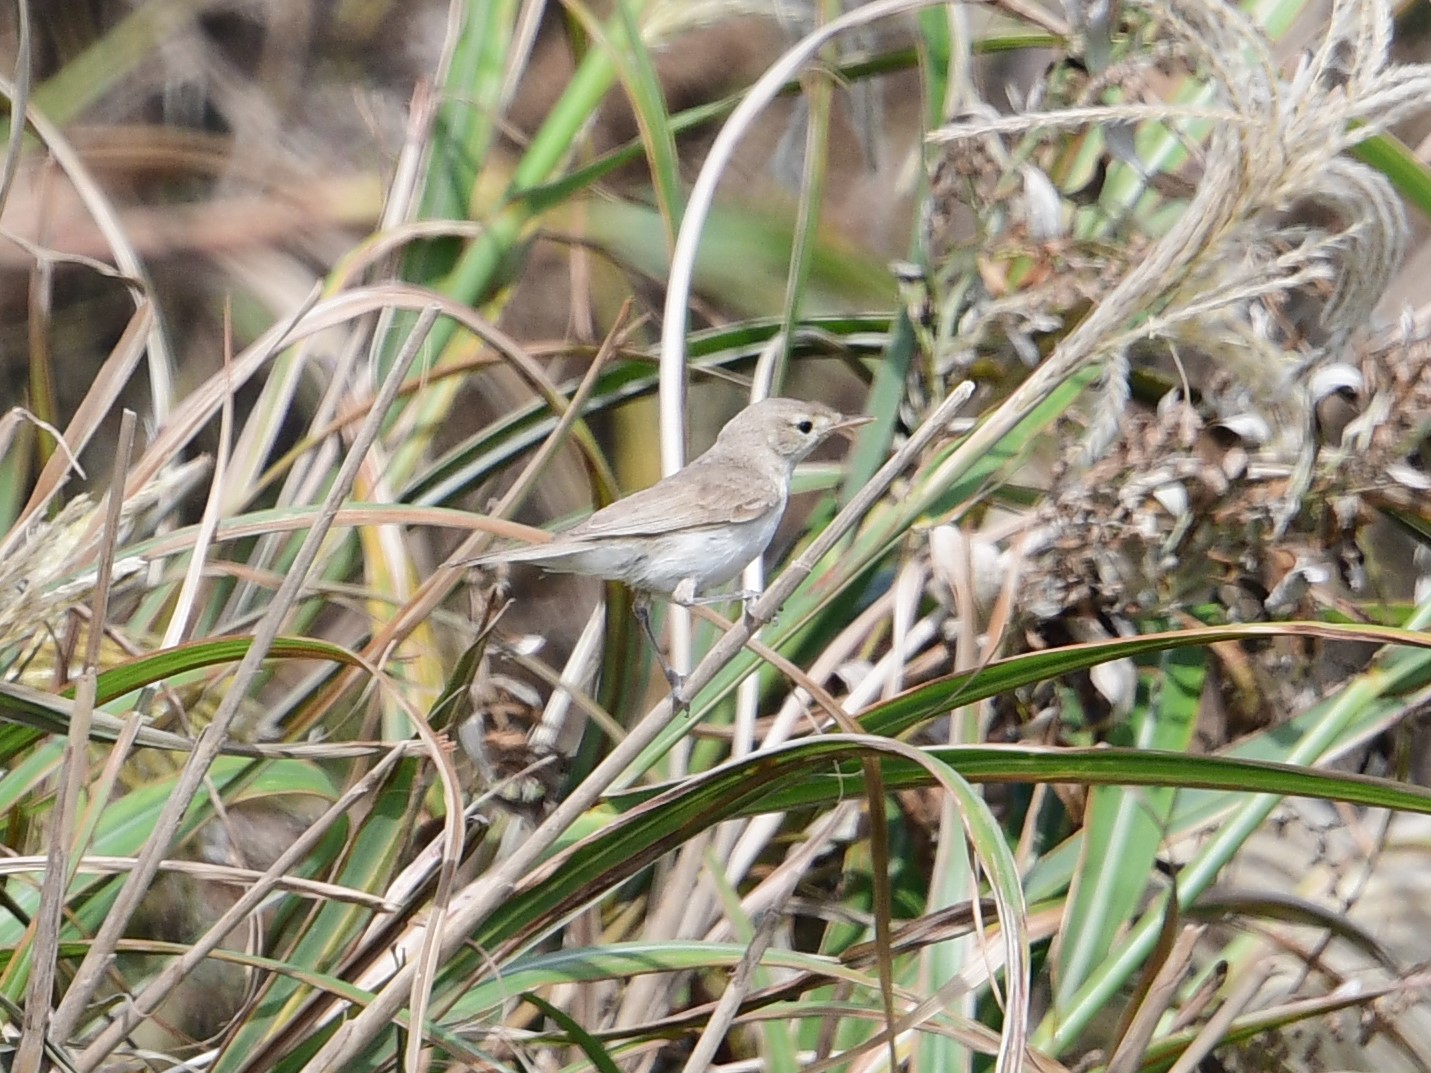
x=805, y=425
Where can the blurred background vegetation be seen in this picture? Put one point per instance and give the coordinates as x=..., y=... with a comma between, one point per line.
x=1084, y=728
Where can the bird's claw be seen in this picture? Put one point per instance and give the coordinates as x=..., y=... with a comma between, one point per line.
x=748, y=617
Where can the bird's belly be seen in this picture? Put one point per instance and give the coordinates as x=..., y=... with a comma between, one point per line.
x=709, y=556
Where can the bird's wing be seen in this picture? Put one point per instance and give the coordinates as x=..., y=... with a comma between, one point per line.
x=717, y=497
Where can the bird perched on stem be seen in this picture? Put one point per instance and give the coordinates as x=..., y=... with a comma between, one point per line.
x=702, y=525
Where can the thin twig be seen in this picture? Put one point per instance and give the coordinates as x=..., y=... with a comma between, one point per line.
x=208, y=746
x=106, y=218
x=19, y=102
x=45, y=951
x=275, y=878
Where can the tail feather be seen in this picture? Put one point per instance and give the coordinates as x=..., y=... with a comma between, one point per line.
x=548, y=555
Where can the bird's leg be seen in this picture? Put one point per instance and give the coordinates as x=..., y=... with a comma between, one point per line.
x=743, y=595
x=685, y=594
x=641, y=608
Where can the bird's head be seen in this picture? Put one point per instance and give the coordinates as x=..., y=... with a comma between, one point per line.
x=790, y=428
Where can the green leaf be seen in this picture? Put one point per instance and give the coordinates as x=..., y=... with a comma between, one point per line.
x=1124, y=829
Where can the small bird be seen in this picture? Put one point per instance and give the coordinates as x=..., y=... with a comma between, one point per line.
x=702, y=525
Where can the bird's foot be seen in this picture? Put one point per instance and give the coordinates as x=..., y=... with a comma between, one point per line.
x=747, y=616
x=677, y=683
x=679, y=701
x=674, y=678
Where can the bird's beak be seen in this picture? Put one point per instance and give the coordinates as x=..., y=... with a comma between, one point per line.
x=846, y=425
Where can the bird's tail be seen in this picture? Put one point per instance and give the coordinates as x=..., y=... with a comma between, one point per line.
x=543, y=554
